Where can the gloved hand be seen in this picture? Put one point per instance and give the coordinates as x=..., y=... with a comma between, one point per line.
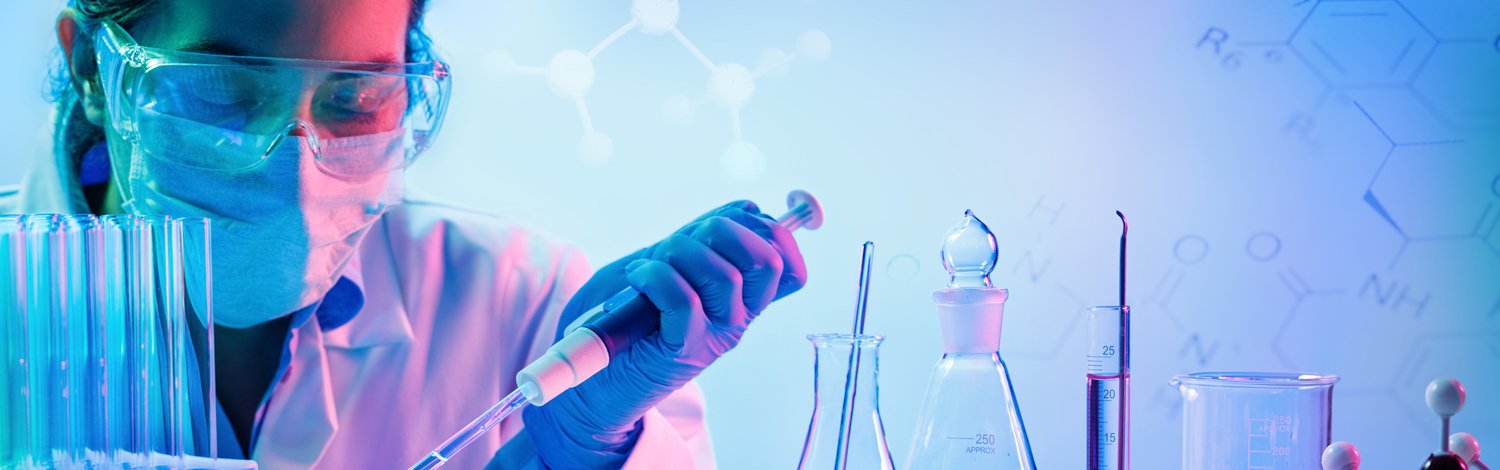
x=710, y=279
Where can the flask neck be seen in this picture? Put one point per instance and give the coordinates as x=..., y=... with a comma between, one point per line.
x=970, y=319
x=985, y=357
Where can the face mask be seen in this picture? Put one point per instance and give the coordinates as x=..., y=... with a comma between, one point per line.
x=283, y=229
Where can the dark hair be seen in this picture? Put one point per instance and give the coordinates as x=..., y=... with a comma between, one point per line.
x=72, y=131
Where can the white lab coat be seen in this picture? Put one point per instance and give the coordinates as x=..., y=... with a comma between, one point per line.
x=455, y=303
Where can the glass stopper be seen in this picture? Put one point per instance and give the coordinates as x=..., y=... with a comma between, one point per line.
x=969, y=253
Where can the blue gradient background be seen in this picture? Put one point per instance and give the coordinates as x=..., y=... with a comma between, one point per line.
x=1320, y=193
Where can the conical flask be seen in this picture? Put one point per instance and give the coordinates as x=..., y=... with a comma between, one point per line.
x=846, y=432
x=970, y=418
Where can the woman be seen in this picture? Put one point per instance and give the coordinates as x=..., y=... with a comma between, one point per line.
x=356, y=329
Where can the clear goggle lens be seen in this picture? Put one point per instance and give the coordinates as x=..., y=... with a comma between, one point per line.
x=360, y=118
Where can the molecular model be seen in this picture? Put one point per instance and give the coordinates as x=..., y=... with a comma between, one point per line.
x=570, y=74
x=1445, y=397
x=1341, y=456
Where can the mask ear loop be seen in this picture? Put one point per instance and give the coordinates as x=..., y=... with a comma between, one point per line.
x=296, y=128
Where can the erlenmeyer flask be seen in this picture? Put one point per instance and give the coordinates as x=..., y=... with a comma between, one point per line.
x=970, y=418
x=846, y=431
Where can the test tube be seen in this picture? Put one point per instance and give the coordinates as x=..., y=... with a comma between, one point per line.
x=170, y=353
x=119, y=257
x=90, y=347
x=15, y=407
x=141, y=344
x=38, y=330
x=198, y=419
x=1108, y=387
x=58, y=337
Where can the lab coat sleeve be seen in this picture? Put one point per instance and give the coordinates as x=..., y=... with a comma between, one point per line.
x=674, y=434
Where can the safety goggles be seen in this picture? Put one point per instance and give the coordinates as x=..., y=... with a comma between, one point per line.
x=358, y=118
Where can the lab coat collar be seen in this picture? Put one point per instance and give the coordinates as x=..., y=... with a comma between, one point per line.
x=300, y=419
x=51, y=186
x=383, y=319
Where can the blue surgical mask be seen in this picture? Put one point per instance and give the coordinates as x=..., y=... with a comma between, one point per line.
x=283, y=228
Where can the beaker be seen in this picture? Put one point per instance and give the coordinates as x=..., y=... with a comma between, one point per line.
x=1254, y=420
x=846, y=431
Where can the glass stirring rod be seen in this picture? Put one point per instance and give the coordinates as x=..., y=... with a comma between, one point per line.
x=588, y=345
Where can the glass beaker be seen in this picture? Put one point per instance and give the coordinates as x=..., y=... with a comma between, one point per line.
x=1254, y=420
x=846, y=431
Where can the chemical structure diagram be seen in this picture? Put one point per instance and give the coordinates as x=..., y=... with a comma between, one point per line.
x=1352, y=46
x=570, y=74
x=1438, y=63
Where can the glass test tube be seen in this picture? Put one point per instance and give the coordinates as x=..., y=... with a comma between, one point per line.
x=117, y=250
x=56, y=303
x=93, y=423
x=140, y=344
x=15, y=406
x=1109, y=388
x=38, y=330
x=166, y=236
x=198, y=419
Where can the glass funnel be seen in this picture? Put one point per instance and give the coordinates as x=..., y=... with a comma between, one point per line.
x=1254, y=419
x=846, y=431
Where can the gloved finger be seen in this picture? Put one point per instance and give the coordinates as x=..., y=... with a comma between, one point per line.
x=794, y=270
x=759, y=263
x=735, y=207
x=740, y=206
x=673, y=296
x=718, y=282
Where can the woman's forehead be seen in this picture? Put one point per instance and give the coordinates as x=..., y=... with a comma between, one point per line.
x=347, y=30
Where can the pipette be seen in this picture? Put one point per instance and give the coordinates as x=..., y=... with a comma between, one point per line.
x=589, y=343
x=1109, y=378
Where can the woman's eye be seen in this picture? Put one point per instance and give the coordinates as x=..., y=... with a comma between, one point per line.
x=362, y=95
x=225, y=86
x=208, y=95
x=222, y=94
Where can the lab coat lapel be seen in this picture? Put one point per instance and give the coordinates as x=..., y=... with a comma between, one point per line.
x=301, y=419
x=383, y=320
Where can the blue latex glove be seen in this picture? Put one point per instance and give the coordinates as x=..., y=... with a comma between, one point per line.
x=710, y=279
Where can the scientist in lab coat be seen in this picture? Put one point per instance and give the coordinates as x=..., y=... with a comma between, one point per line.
x=356, y=328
